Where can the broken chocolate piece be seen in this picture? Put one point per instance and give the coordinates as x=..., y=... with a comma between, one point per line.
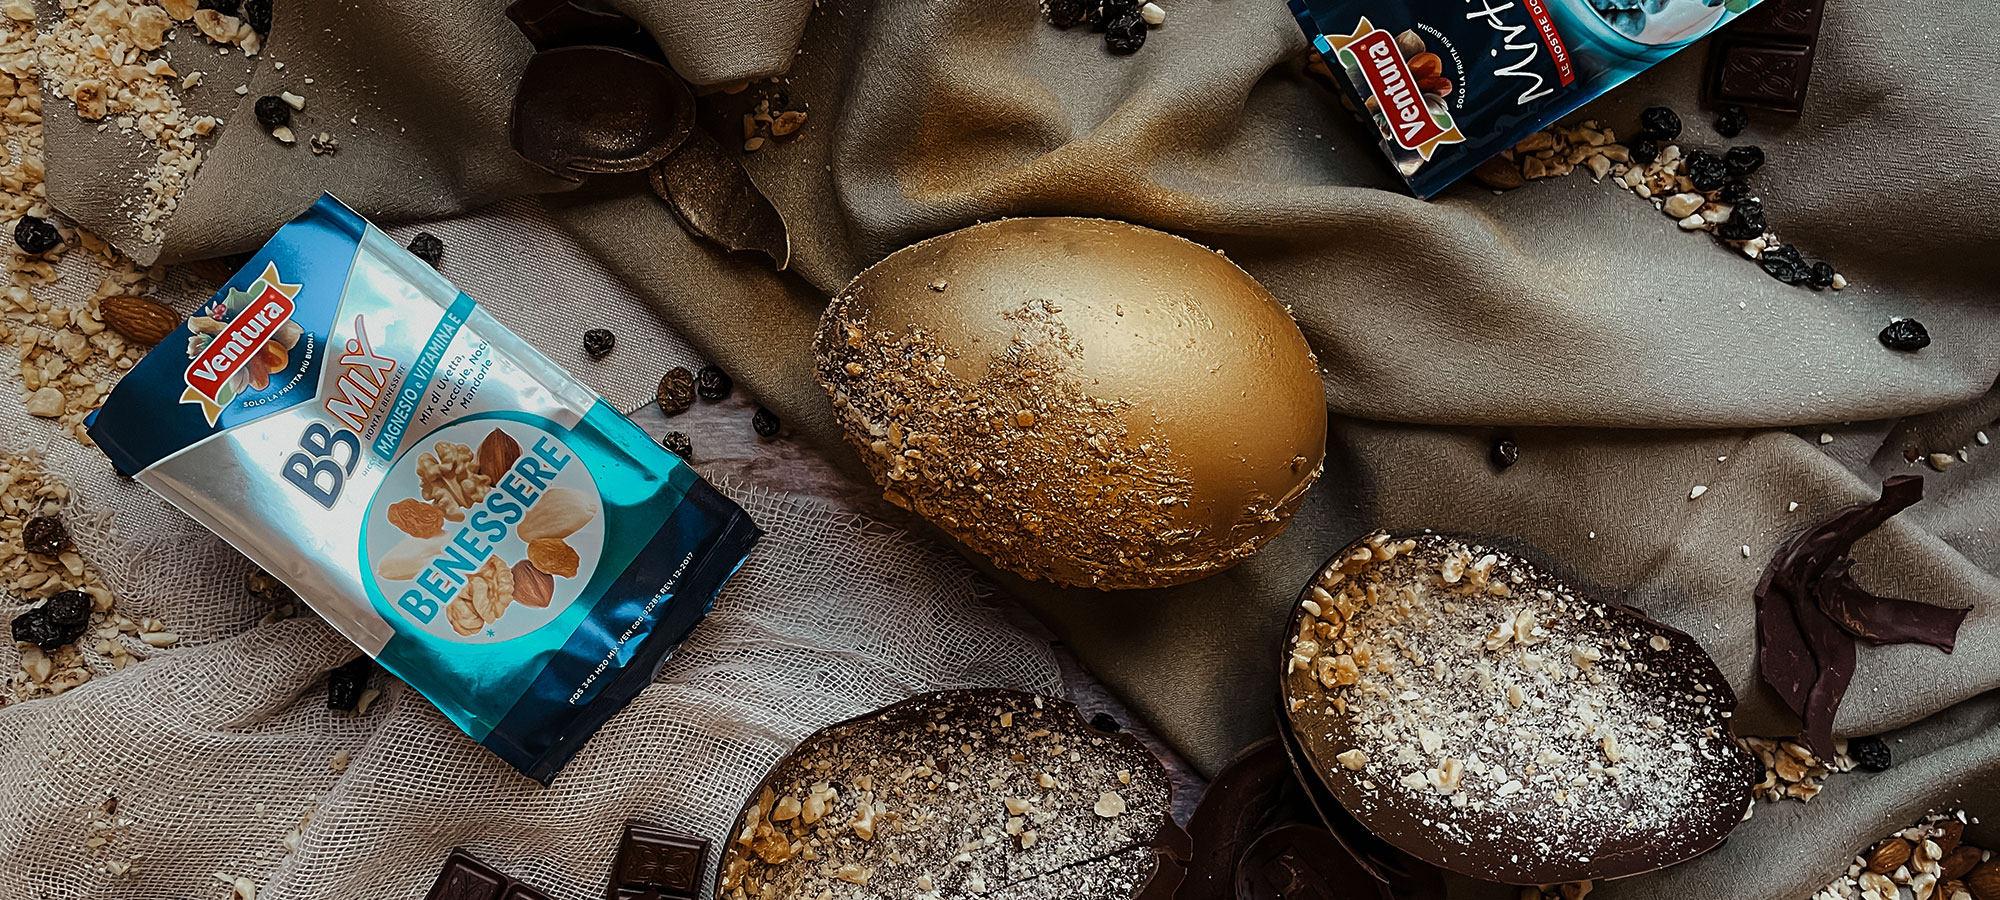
x=595, y=109
x=1810, y=611
x=1765, y=57
x=652, y=860
x=715, y=198
x=1296, y=862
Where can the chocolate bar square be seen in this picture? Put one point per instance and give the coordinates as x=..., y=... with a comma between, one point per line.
x=651, y=860
x=466, y=878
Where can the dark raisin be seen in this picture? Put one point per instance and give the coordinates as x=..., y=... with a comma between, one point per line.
x=345, y=684
x=1743, y=160
x=1706, y=170
x=713, y=384
x=45, y=535
x=1731, y=121
x=54, y=623
x=35, y=234
x=678, y=443
x=1505, y=452
x=1746, y=221
x=1101, y=13
x=70, y=609
x=1125, y=34
x=273, y=112
x=1660, y=122
x=1065, y=13
x=1905, y=334
x=428, y=247
x=258, y=14
x=1820, y=276
x=1105, y=723
x=1870, y=753
x=766, y=423
x=1784, y=263
x=598, y=342
x=1645, y=149
x=225, y=7
x=676, y=393
x=1734, y=191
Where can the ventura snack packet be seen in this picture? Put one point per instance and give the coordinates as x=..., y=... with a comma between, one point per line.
x=1449, y=83
x=475, y=519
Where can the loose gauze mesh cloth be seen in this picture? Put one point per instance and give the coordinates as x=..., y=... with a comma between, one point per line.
x=225, y=761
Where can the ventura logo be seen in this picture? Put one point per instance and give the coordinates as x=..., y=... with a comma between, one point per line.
x=1372, y=54
x=210, y=377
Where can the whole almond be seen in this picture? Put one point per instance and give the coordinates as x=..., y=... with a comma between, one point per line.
x=532, y=586
x=1961, y=860
x=497, y=454
x=1985, y=880
x=1952, y=831
x=138, y=319
x=1889, y=855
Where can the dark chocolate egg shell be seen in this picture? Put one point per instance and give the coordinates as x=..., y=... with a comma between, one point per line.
x=1470, y=709
x=594, y=109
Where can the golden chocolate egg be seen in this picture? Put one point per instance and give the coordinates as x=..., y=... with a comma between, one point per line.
x=1085, y=401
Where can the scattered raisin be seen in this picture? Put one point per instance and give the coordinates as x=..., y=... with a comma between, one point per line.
x=45, y=536
x=713, y=384
x=1125, y=34
x=1505, y=452
x=1820, y=276
x=1101, y=13
x=1743, y=160
x=1645, y=149
x=1746, y=221
x=428, y=247
x=1065, y=13
x=1905, y=334
x=1660, y=122
x=258, y=14
x=265, y=586
x=766, y=423
x=677, y=442
x=676, y=393
x=1734, y=192
x=1706, y=170
x=598, y=342
x=62, y=619
x=273, y=112
x=1732, y=121
x=35, y=234
x=1870, y=753
x=1784, y=263
x=70, y=609
x=345, y=684
x=1105, y=723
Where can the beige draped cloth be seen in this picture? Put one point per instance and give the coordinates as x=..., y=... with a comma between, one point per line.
x=1630, y=360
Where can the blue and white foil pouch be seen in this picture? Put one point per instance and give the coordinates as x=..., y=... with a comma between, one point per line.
x=479, y=522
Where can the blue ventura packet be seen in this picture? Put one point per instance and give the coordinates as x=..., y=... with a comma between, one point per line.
x=478, y=521
x=1447, y=84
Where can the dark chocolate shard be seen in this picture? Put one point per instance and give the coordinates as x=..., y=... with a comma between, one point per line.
x=1296, y=862
x=549, y=24
x=594, y=109
x=466, y=878
x=1256, y=790
x=1810, y=611
x=714, y=197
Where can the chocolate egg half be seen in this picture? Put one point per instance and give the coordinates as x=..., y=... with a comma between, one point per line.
x=1085, y=401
